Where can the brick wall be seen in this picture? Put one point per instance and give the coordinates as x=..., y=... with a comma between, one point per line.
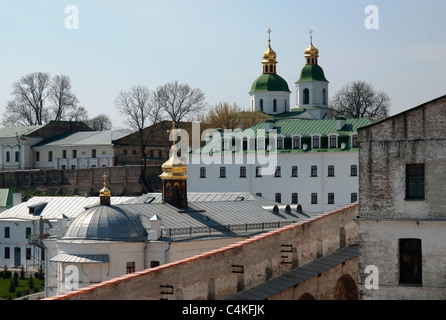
x=120, y=180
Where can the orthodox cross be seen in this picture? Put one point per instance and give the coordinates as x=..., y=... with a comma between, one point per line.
x=173, y=131
x=311, y=35
x=269, y=34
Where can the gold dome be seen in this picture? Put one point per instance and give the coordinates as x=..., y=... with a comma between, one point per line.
x=312, y=51
x=269, y=56
x=174, y=167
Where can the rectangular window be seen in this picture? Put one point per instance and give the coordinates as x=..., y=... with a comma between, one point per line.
x=415, y=181
x=50, y=156
x=294, y=171
x=314, y=171
x=7, y=253
x=354, y=170
x=222, y=172
x=37, y=156
x=64, y=154
x=93, y=153
x=242, y=172
x=296, y=143
x=258, y=172
x=316, y=142
x=130, y=267
x=354, y=141
x=294, y=198
x=154, y=264
x=331, y=199
x=28, y=253
x=17, y=156
x=279, y=197
x=73, y=166
x=354, y=197
x=261, y=143
x=202, y=172
x=331, y=171
x=333, y=142
x=74, y=153
x=314, y=198
x=7, y=233
x=63, y=167
x=278, y=172
x=410, y=261
x=8, y=156
x=280, y=143
x=27, y=232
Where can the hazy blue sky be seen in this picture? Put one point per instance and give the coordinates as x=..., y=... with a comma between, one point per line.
x=217, y=46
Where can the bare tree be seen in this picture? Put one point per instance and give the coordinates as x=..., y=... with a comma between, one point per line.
x=179, y=101
x=38, y=98
x=101, y=122
x=30, y=93
x=360, y=100
x=135, y=104
x=78, y=114
x=63, y=100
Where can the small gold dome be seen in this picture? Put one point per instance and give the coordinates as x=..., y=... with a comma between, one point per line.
x=174, y=167
x=269, y=56
x=311, y=51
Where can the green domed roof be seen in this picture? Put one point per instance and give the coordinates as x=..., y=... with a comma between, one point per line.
x=312, y=73
x=270, y=82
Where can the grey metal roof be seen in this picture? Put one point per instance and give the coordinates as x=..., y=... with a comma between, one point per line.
x=80, y=258
x=12, y=132
x=86, y=138
x=291, y=278
x=215, y=214
x=109, y=223
x=55, y=206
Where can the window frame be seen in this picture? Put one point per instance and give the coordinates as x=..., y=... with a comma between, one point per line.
x=202, y=172
x=223, y=172
x=414, y=179
x=313, y=172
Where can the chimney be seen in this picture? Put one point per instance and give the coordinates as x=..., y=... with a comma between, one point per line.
x=155, y=228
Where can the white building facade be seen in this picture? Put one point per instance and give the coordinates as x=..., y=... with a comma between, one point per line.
x=315, y=164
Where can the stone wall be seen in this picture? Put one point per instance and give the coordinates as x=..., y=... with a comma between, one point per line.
x=120, y=180
x=223, y=272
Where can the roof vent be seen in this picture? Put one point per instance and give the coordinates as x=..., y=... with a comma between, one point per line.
x=299, y=208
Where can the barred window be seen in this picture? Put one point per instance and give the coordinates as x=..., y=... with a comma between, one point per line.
x=415, y=181
x=314, y=198
x=354, y=170
x=294, y=198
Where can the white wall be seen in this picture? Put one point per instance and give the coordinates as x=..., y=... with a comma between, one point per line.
x=342, y=184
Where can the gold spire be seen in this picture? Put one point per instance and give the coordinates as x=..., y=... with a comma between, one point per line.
x=269, y=57
x=311, y=53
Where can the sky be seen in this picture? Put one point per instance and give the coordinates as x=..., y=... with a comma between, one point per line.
x=216, y=45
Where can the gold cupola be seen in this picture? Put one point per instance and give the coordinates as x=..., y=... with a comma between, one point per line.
x=269, y=57
x=174, y=177
x=311, y=53
x=105, y=193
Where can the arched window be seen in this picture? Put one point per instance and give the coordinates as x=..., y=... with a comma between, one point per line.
x=324, y=97
x=306, y=96
x=275, y=105
x=261, y=105
x=271, y=68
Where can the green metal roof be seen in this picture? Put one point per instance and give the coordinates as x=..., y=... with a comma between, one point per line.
x=270, y=82
x=312, y=73
x=305, y=128
x=6, y=198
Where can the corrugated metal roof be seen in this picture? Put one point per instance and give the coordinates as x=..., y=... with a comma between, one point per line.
x=81, y=258
x=295, y=276
x=55, y=206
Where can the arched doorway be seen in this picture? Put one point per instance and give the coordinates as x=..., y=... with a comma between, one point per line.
x=346, y=288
